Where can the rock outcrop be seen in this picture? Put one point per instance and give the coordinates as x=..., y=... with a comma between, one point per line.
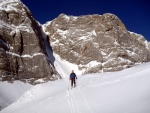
x=96, y=43
x=23, y=54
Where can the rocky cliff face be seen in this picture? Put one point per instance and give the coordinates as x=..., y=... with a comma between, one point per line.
x=23, y=54
x=96, y=43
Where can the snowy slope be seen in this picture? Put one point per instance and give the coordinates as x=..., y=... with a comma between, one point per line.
x=64, y=67
x=127, y=91
x=10, y=92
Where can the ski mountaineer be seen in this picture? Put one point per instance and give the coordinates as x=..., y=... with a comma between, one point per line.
x=72, y=78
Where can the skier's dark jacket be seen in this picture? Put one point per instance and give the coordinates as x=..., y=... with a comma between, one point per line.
x=73, y=75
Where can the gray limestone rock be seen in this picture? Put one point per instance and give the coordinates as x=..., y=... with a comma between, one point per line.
x=96, y=43
x=23, y=54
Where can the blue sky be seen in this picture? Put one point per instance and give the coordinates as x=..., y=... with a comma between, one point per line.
x=135, y=14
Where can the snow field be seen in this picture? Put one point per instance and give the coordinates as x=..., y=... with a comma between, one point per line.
x=127, y=91
x=10, y=92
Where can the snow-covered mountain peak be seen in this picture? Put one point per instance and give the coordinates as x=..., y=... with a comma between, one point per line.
x=9, y=5
x=141, y=39
x=8, y=1
x=96, y=38
x=23, y=54
x=64, y=16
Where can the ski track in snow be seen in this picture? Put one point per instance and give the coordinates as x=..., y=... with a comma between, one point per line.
x=93, y=93
x=77, y=98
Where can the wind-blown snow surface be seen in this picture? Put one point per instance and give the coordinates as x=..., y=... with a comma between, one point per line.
x=127, y=91
x=9, y=92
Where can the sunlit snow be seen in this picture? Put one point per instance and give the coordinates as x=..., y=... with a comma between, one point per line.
x=127, y=91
